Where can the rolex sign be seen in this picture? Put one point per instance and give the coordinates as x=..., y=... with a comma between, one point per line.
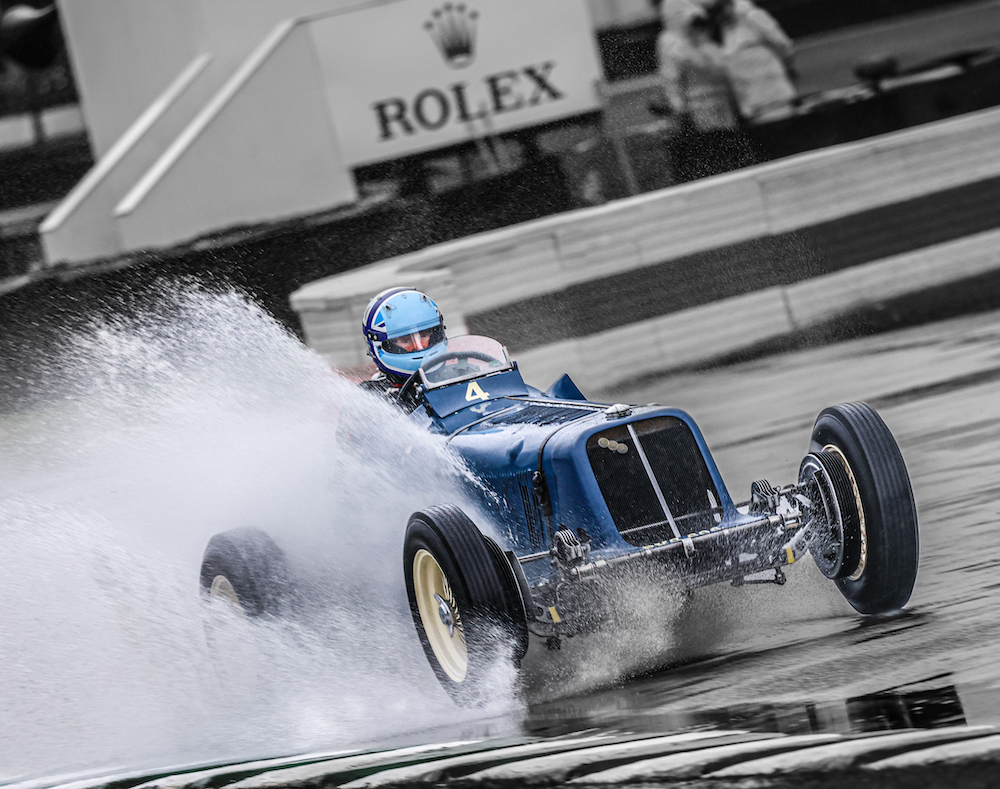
x=414, y=75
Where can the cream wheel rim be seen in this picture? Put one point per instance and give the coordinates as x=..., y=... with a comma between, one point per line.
x=439, y=615
x=863, y=559
x=222, y=589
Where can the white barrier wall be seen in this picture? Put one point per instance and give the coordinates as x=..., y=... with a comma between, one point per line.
x=238, y=136
x=546, y=256
x=260, y=150
x=126, y=52
x=204, y=157
x=81, y=226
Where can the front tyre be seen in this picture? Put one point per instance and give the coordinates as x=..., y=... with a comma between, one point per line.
x=876, y=566
x=466, y=610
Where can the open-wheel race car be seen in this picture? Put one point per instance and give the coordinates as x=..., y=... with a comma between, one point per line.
x=581, y=493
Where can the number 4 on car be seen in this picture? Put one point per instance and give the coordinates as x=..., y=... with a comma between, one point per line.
x=475, y=392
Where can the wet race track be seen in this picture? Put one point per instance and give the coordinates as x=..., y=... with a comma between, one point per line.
x=738, y=664
x=796, y=658
x=938, y=389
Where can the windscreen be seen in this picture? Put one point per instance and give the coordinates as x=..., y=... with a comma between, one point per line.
x=461, y=358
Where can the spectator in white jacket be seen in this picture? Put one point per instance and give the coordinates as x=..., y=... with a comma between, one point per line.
x=759, y=58
x=707, y=138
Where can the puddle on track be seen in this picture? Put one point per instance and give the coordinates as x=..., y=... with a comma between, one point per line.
x=638, y=708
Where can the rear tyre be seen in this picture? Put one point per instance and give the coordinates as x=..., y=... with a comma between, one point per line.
x=246, y=568
x=877, y=565
x=467, y=611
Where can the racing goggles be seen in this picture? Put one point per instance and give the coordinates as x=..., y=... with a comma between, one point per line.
x=414, y=341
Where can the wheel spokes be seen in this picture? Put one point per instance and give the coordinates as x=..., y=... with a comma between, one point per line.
x=439, y=614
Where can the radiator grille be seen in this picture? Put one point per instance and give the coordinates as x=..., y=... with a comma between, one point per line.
x=678, y=469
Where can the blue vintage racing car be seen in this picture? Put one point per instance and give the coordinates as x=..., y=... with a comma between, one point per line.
x=581, y=494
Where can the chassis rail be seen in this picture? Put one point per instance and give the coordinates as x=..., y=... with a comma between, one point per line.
x=771, y=540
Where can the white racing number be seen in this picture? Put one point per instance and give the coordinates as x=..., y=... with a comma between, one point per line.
x=475, y=392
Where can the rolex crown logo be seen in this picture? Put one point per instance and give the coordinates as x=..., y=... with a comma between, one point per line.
x=453, y=28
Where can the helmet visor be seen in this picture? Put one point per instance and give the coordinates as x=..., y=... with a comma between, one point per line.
x=414, y=341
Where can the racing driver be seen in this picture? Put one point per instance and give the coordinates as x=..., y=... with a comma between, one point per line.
x=400, y=325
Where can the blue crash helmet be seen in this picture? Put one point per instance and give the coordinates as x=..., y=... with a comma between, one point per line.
x=400, y=326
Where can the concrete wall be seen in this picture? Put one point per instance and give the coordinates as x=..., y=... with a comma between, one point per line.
x=124, y=55
x=258, y=151
x=149, y=73
x=713, y=330
x=545, y=257
x=217, y=148
x=126, y=52
x=80, y=228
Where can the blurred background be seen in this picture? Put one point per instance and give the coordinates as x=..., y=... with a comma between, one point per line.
x=140, y=142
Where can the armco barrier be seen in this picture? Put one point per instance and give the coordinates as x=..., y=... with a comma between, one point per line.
x=543, y=261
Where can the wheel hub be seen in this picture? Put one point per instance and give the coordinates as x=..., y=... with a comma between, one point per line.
x=445, y=612
x=836, y=542
x=222, y=589
x=863, y=558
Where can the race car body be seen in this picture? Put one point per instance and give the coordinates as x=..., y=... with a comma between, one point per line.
x=579, y=494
